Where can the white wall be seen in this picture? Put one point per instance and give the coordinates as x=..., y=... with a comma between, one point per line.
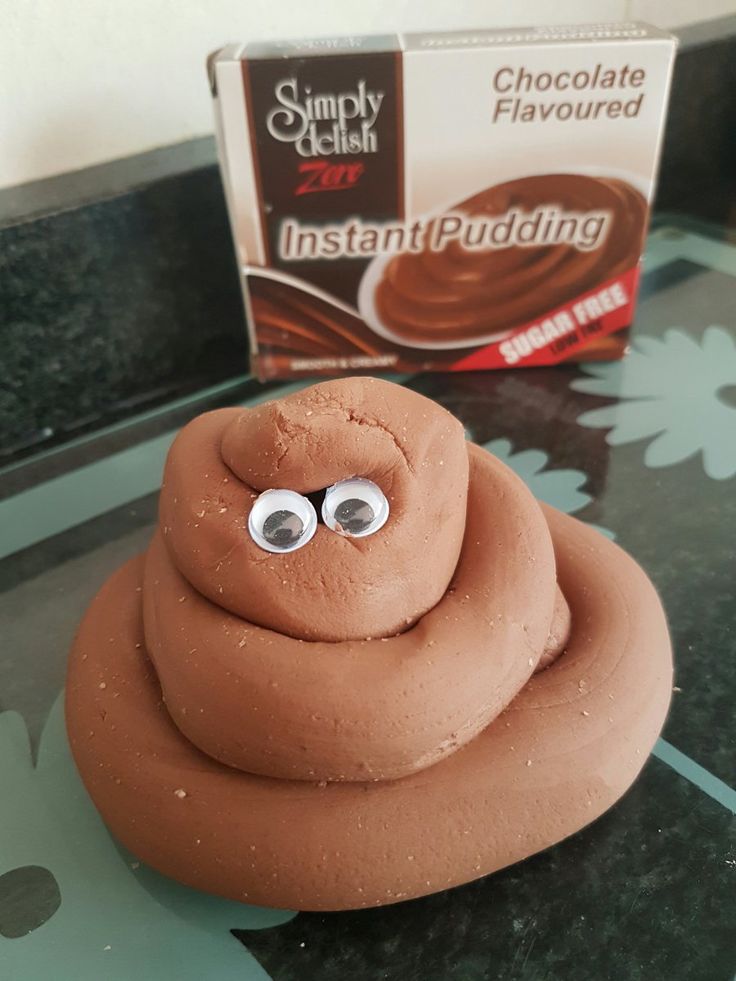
x=84, y=81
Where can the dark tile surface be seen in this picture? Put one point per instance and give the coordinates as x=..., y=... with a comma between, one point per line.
x=97, y=444
x=74, y=189
x=698, y=170
x=644, y=894
x=535, y=409
x=115, y=306
x=29, y=896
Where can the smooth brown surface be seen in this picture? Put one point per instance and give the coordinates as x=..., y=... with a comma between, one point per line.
x=335, y=588
x=456, y=295
x=296, y=327
x=373, y=709
x=565, y=750
x=338, y=770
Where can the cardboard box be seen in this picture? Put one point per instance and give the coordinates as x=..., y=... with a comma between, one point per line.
x=446, y=201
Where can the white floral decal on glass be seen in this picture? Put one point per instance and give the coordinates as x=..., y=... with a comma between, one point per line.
x=558, y=487
x=680, y=391
x=117, y=919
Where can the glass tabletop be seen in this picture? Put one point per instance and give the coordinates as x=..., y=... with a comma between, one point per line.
x=645, y=449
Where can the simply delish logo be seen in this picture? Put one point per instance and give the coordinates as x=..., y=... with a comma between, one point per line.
x=326, y=124
x=321, y=124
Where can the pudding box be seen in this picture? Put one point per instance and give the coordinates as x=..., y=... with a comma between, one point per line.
x=444, y=201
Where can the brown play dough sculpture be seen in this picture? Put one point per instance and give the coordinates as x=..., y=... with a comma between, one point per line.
x=362, y=719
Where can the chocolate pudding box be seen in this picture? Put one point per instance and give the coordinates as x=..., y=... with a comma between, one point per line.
x=448, y=201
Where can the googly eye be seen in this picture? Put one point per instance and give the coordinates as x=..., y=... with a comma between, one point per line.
x=282, y=521
x=356, y=507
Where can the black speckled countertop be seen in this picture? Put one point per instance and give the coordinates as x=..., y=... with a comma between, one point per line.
x=644, y=449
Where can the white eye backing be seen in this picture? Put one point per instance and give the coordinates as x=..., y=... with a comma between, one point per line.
x=282, y=521
x=355, y=507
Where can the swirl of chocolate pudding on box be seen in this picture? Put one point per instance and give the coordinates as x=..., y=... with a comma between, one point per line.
x=510, y=254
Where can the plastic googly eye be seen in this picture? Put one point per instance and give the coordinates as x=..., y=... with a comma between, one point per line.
x=356, y=507
x=282, y=521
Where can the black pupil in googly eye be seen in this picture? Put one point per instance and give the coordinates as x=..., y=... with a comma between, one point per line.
x=354, y=515
x=283, y=528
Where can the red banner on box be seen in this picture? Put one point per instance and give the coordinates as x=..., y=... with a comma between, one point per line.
x=564, y=330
